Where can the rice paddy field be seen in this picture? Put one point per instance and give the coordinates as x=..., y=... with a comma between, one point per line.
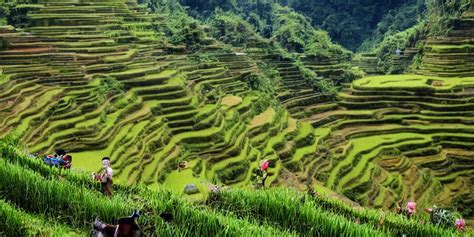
x=106, y=81
x=239, y=212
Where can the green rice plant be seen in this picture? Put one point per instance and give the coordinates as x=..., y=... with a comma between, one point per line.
x=199, y=221
x=45, y=194
x=284, y=209
x=11, y=223
x=292, y=210
x=236, y=212
x=389, y=222
x=18, y=223
x=77, y=205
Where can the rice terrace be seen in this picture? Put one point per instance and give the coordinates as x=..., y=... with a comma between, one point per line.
x=236, y=118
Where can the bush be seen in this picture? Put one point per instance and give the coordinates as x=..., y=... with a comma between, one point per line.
x=232, y=29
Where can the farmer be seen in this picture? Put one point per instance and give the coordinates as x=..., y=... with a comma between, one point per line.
x=105, y=176
x=58, y=159
x=214, y=193
x=460, y=224
x=440, y=216
x=60, y=153
x=126, y=227
x=67, y=161
x=264, y=168
x=411, y=206
x=398, y=52
x=409, y=211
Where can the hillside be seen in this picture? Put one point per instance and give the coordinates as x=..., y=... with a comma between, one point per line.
x=221, y=86
x=230, y=213
x=116, y=87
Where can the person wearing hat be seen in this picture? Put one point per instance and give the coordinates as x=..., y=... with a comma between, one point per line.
x=105, y=177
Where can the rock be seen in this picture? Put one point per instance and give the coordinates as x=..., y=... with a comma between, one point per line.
x=191, y=189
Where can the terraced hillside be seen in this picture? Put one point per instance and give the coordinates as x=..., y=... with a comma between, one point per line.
x=297, y=94
x=106, y=83
x=398, y=138
x=451, y=55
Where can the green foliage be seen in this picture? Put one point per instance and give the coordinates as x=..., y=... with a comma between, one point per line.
x=271, y=74
x=11, y=223
x=408, y=25
x=11, y=14
x=111, y=86
x=197, y=169
x=167, y=7
x=18, y=223
x=443, y=13
x=4, y=12
x=206, y=7
x=73, y=200
x=244, y=23
x=324, y=86
x=320, y=46
x=265, y=101
x=265, y=80
x=386, y=49
x=53, y=195
x=291, y=30
x=291, y=210
x=180, y=28
x=185, y=30
x=108, y=87
x=202, y=58
x=257, y=177
x=263, y=84
x=348, y=22
x=395, y=21
x=232, y=29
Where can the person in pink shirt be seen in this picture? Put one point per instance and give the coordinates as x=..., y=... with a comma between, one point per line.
x=411, y=206
x=264, y=168
x=460, y=224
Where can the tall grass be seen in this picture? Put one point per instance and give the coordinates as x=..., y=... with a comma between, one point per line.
x=16, y=223
x=284, y=208
x=74, y=200
x=319, y=215
x=390, y=222
x=11, y=222
x=199, y=221
x=77, y=205
x=9, y=150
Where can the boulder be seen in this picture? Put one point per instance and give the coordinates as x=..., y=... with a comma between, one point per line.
x=191, y=189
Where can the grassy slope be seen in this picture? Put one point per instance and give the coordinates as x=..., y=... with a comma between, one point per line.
x=237, y=212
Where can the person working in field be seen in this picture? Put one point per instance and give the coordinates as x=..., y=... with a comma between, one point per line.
x=398, y=52
x=126, y=227
x=261, y=174
x=105, y=176
x=67, y=161
x=59, y=159
x=409, y=211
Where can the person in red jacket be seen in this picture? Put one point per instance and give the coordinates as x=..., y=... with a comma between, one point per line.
x=67, y=161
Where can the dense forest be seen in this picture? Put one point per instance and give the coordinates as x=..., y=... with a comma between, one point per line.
x=348, y=23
